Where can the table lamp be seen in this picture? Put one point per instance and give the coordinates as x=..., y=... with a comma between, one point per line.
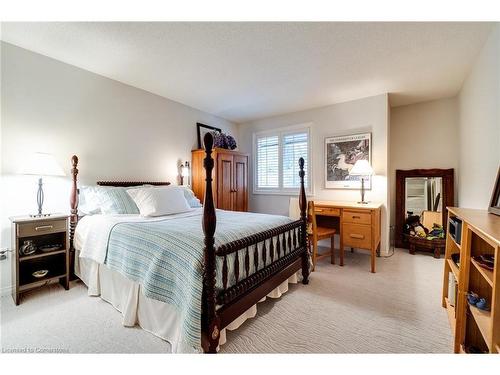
x=362, y=168
x=185, y=173
x=41, y=164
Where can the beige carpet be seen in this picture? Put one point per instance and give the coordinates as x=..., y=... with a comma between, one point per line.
x=343, y=310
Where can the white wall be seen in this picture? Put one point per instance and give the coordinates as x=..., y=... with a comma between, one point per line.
x=364, y=115
x=424, y=135
x=479, y=125
x=118, y=131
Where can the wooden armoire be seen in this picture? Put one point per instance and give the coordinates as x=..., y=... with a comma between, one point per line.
x=230, y=178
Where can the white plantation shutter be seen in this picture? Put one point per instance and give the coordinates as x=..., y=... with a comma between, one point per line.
x=276, y=157
x=268, y=162
x=295, y=146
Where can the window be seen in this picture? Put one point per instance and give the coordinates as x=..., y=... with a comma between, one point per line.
x=276, y=160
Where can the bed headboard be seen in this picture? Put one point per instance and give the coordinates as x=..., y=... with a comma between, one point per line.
x=73, y=200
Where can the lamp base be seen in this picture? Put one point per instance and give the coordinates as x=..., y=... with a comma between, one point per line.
x=363, y=202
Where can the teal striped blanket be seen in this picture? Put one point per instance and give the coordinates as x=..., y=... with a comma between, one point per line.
x=166, y=257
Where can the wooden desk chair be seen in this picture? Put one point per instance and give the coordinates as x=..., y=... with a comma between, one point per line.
x=316, y=233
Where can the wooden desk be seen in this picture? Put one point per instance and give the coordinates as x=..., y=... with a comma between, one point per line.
x=358, y=225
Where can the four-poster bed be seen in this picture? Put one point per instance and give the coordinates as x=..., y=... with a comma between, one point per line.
x=235, y=274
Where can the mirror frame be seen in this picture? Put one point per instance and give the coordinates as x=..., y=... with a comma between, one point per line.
x=494, y=207
x=448, y=196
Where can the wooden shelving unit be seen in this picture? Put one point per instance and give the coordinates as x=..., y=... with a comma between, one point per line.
x=454, y=268
x=471, y=326
x=487, y=274
x=451, y=314
x=483, y=321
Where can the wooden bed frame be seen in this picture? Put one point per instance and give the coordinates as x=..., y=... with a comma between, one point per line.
x=221, y=307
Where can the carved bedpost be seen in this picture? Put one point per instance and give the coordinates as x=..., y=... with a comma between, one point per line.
x=73, y=202
x=303, y=228
x=210, y=329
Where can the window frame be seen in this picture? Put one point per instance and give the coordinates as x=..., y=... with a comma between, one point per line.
x=281, y=132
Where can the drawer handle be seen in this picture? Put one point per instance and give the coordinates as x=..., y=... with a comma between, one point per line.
x=318, y=210
x=358, y=236
x=44, y=227
x=356, y=217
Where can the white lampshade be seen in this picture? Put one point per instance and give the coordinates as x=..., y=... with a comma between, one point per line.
x=185, y=171
x=361, y=168
x=41, y=164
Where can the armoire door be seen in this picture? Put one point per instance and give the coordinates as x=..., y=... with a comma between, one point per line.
x=225, y=178
x=240, y=184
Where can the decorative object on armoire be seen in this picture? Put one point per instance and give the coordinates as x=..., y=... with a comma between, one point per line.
x=41, y=164
x=231, y=142
x=202, y=129
x=494, y=207
x=363, y=169
x=225, y=141
x=341, y=153
x=230, y=178
x=424, y=194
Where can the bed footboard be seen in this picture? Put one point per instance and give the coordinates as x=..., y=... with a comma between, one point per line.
x=267, y=259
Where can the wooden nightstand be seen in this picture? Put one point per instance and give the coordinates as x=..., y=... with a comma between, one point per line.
x=50, y=237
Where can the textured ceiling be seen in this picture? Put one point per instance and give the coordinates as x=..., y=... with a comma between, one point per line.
x=246, y=71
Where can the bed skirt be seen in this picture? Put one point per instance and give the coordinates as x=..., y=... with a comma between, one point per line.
x=154, y=316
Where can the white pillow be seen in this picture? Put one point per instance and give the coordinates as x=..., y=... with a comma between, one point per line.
x=88, y=201
x=159, y=201
x=190, y=197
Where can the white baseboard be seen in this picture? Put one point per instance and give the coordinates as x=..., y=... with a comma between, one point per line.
x=6, y=290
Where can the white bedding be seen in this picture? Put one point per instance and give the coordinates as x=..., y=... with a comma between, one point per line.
x=159, y=318
x=92, y=231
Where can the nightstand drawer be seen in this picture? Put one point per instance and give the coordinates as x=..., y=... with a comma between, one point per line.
x=327, y=211
x=357, y=217
x=357, y=235
x=41, y=227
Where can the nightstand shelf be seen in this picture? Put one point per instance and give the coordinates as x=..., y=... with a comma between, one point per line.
x=41, y=255
x=42, y=232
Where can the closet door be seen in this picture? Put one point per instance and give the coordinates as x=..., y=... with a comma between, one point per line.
x=240, y=184
x=225, y=171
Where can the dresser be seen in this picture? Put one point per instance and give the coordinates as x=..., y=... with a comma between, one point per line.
x=358, y=225
x=230, y=178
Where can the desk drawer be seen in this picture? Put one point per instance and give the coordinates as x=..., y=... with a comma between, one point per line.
x=357, y=235
x=326, y=211
x=357, y=217
x=45, y=227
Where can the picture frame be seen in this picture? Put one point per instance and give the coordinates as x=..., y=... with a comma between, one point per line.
x=494, y=207
x=341, y=153
x=202, y=129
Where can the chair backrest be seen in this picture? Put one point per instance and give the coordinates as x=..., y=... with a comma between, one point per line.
x=294, y=208
x=311, y=218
